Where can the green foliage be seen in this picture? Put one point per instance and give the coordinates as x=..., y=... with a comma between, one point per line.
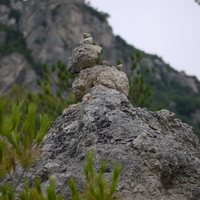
x=122, y=44
x=140, y=92
x=14, y=41
x=169, y=94
x=96, y=187
x=36, y=193
x=55, y=90
x=53, y=94
x=102, y=16
x=100, y=58
x=185, y=106
x=20, y=137
x=31, y=193
x=7, y=192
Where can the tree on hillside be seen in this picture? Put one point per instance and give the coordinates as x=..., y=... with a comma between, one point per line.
x=55, y=90
x=140, y=92
x=197, y=1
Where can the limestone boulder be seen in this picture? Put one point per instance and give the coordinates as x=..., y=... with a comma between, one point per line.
x=83, y=56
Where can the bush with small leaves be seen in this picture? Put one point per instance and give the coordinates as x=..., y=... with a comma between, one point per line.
x=96, y=187
x=31, y=193
x=140, y=92
x=55, y=90
x=20, y=137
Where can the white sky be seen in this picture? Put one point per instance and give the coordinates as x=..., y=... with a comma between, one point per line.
x=167, y=28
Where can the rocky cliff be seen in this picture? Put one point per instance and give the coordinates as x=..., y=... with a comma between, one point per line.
x=14, y=68
x=52, y=28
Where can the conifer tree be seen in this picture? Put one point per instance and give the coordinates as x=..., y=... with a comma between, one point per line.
x=96, y=187
x=55, y=90
x=140, y=92
x=20, y=137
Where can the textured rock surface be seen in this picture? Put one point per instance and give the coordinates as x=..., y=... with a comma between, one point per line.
x=83, y=56
x=6, y=8
x=2, y=37
x=82, y=61
x=160, y=155
x=14, y=69
x=53, y=27
x=107, y=76
x=4, y=14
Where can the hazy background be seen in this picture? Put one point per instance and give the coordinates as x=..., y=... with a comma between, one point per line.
x=170, y=28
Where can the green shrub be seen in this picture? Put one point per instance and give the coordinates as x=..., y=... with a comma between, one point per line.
x=140, y=92
x=100, y=15
x=55, y=90
x=20, y=136
x=96, y=187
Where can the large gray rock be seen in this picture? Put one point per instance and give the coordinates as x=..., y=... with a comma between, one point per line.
x=83, y=56
x=160, y=155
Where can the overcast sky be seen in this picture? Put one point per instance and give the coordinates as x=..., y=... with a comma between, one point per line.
x=167, y=28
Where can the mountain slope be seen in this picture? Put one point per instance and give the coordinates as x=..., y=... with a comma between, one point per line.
x=43, y=31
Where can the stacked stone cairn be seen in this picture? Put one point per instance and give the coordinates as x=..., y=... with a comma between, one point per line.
x=85, y=62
